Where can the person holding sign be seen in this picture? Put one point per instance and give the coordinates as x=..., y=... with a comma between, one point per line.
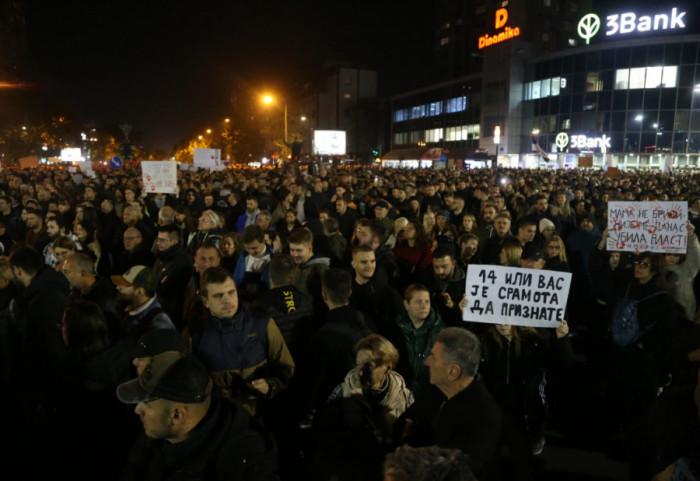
x=640, y=367
x=684, y=268
x=514, y=361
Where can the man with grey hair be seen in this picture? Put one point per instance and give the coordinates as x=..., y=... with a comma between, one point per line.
x=465, y=416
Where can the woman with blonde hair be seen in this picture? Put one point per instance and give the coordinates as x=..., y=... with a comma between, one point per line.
x=511, y=251
x=555, y=255
x=374, y=379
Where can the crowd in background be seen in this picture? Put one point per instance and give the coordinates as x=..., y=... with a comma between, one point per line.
x=327, y=305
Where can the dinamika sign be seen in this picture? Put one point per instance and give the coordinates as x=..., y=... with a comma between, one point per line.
x=508, y=33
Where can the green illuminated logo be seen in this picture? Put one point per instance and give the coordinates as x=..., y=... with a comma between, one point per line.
x=588, y=27
x=562, y=140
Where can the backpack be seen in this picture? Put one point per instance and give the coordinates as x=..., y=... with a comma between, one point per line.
x=624, y=325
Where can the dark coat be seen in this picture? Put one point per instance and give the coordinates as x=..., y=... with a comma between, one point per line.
x=223, y=446
x=470, y=421
x=173, y=268
x=37, y=311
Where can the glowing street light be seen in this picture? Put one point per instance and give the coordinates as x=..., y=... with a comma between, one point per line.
x=269, y=100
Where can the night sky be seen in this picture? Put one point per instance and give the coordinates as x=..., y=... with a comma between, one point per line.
x=169, y=67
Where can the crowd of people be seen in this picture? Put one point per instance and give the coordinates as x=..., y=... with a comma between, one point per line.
x=308, y=324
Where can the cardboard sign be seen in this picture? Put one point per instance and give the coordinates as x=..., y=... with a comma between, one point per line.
x=648, y=226
x=612, y=173
x=208, y=159
x=159, y=176
x=29, y=162
x=585, y=161
x=516, y=296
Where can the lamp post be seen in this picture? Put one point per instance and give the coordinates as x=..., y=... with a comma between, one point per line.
x=269, y=100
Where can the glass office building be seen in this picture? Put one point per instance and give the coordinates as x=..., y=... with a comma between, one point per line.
x=618, y=86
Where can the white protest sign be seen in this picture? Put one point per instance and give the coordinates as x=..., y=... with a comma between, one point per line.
x=516, y=296
x=86, y=168
x=159, y=176
x=648, y=226
x=208, y=159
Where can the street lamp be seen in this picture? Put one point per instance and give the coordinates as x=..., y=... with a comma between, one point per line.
x=269, y=100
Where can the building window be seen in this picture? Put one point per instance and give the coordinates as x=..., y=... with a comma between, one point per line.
x=556, y=84
x=457, y=104
x=435, y=108
x=647, y=77
x=669, y=77
x=433, y=135
x=637, y=78
x=622, y=79
x=593, y=82
x=544, y=88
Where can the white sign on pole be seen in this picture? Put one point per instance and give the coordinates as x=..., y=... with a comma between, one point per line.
x=648, y=226
x=516, y=296
x=159, y=176
x=208, y=159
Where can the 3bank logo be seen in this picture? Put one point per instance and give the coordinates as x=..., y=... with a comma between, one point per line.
x=588, y=26
x=630, y=22
x=562, y=140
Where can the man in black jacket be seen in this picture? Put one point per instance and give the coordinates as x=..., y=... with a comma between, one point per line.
x=465, y=417
x=79, y=269
x=173, y=268
x=36, y=311
x=188, y=432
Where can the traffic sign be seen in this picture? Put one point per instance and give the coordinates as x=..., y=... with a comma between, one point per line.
x=443, y=158
x=115, y=163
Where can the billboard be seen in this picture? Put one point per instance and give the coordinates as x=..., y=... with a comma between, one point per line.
x=329, y=142
x=72, y=154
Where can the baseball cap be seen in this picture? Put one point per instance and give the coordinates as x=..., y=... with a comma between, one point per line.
x=382, y=203
x=170, y=375
x=532, y=252
x=137, y=276
x=156, y=341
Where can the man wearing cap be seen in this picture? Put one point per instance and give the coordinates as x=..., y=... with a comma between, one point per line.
x=137, y=288
x=532, y=257
x=188, y=433
x=245, y=351
x=381, y=213
x=153, y=342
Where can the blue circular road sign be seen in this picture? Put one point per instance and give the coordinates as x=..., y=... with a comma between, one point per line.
x=115, y=163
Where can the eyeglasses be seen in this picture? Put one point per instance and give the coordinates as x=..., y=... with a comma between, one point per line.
x=641, y=264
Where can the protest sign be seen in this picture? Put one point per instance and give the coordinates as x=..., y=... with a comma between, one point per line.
x=612, y=173
x=585, y=161
x=29, y=162
x=208, y=159
x=516, y=296
x=159, y=176
x=648, y=226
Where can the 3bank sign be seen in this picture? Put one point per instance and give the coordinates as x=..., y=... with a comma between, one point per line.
x=630, y=22
x=506, y=34
x=582, y=142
